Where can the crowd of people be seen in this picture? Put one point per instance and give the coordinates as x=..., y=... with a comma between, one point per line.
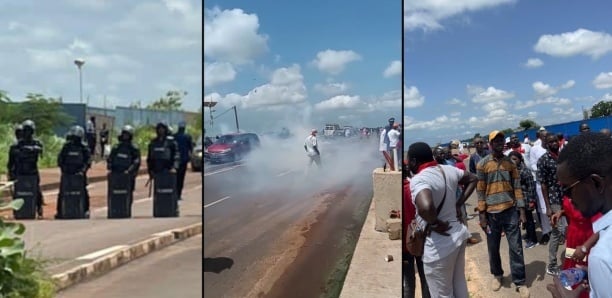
x=563, y=187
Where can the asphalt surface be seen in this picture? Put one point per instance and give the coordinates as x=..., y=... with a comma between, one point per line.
x=62, y=242
x=262, y=218
x=174, y=271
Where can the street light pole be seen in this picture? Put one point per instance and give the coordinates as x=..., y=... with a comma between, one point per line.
x=79, y=63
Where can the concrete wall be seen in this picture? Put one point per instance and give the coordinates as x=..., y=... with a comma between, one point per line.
x=387, y=195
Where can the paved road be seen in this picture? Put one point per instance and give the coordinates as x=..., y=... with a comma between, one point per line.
x=259, y=214
x=175, y=271
x=63, y=241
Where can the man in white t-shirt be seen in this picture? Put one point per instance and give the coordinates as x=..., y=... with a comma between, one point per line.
x=312, y=149
x=534, y=155
x=433, y=188
x=394, y=136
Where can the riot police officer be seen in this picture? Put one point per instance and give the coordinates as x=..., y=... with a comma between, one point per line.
x=23, y=158
x=125, y=156
x=18, y=133
x=163, y=155
x=74, y=159
x=14, y=152
x=163, y=152
x=185, y=147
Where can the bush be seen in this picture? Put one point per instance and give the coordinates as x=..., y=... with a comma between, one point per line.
x=20, y=276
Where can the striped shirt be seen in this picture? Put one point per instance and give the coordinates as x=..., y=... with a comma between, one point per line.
x=499, y=184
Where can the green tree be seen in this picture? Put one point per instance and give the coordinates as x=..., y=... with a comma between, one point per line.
x=601, y=109
x=47, y=113
x=508, y=131
x=527, y=124
x=6, y=111
x=172, y=101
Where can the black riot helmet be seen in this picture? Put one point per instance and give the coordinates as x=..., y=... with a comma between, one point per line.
x=127, y=134
x=28, y=128
x=19, y=132
x=76, y=134
x=162, y=129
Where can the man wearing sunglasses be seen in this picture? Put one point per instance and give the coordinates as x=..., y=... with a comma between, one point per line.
x=553, y=196
x=585, y=172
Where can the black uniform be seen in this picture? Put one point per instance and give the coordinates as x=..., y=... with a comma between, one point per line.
x=125, y=157
x=23, y=161
x=75, y=158
x=162, y=156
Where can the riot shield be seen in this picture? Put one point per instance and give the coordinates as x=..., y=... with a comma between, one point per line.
x=26, y=188
x=164, y=195
x=119, y=195
x=72, y=196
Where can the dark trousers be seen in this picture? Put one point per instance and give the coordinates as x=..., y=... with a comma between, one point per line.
x=530, y=226
x=409, y=280
x=102, y=145
x=507, y=221
x=91, y=143
x=180, y=179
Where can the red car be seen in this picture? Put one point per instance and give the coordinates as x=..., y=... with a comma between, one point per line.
x=231, y=147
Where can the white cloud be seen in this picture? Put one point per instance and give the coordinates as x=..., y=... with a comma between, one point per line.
x=579, y=42
x=286, y=87
x=95, y=5
x=533, y=63
x=565, y=112
x=331, y=88
x=334, y=62
x=339, y=102
x=123, y=44
x=494, y=106
x=440, y=122
x=520, y=105
x=603, y=80
x=456, y=101
x=481, y=95
x=217, y=73
x=544, y=90
x=231, y=36
x=391, y=100
x=428, y=14
x=607, y=97
x=20, y=34
x=413, y=98
x=394, y=69
x=568, y=84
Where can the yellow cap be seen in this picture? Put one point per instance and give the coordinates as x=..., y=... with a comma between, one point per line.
x=494, y=134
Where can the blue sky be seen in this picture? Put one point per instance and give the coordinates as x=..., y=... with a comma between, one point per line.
x=475, y=65
x=133, y=50
x=302, y=64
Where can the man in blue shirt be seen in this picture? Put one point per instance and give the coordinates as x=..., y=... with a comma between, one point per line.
x=185, y=148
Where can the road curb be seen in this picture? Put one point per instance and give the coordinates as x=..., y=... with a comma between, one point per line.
x=116, y=259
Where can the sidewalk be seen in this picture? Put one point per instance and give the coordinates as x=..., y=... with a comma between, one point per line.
x=369, y=274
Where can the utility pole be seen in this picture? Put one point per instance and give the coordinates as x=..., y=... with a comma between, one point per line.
x=236, y=116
